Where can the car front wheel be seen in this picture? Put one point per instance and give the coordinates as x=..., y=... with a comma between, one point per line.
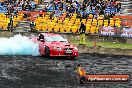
x=47, y=51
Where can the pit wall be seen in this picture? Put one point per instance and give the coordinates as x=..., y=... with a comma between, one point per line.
x=83, y=49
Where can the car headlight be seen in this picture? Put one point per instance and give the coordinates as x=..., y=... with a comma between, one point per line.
x=75, y=48
x=57, y=48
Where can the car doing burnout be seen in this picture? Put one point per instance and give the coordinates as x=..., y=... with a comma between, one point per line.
x=56, y=45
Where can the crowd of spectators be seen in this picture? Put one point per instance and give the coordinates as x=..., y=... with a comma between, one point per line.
x=13, y=6
x=96, y=7
x=81, y=7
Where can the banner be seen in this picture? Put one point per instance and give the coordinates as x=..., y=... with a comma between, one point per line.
x=108, y=78
x=126, y=32
x=107, y=31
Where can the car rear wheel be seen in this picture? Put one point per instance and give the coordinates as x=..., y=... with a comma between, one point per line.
x=47, y=51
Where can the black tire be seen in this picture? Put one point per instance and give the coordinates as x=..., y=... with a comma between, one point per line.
x=47, y=51
x=82, y=80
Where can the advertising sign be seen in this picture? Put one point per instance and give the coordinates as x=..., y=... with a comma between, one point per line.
x=107, y=31
x=126, y=32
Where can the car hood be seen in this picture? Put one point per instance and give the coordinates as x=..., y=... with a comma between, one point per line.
x=60, y=44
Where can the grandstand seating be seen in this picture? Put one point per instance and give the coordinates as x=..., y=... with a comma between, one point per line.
x=61, y=23
x=71, y=25
x=4, y=21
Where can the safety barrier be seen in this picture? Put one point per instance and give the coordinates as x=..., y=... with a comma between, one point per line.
x=116, y=32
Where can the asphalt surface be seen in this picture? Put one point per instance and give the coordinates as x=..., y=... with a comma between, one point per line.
x=41, y=72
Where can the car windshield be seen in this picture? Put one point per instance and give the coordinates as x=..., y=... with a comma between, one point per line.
x=53, y=38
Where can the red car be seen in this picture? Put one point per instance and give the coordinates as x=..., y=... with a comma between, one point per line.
x=56, y=45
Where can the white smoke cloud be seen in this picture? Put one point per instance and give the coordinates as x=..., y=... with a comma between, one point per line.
x=18, y=45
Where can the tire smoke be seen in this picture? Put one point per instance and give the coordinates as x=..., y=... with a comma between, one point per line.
x=18, y=45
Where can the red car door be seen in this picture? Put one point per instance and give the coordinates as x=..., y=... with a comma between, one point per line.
x=42, y=48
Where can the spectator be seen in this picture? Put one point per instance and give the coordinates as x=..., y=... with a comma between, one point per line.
x=70, y=1
x=83, y=6
x=71, y=9
x=28, y=7
x=78, y=15
x=67, y=8
x=55, y=5
x=106, y=17
x=68, y=15
x=10, y=8
x=74, y=4
x=84, y=15
x=40, y=1
x=76, y=10
x=51, y=15
x=101, y=12
x=32, y=26
x=113, y=3
x=82, y=30
x=111, y=15
x=44, y=9
x=10, y=1
x=10, y=24
x=118, y=7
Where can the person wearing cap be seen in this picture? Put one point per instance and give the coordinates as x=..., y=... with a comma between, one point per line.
x=82, y=30
x=41, y=37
